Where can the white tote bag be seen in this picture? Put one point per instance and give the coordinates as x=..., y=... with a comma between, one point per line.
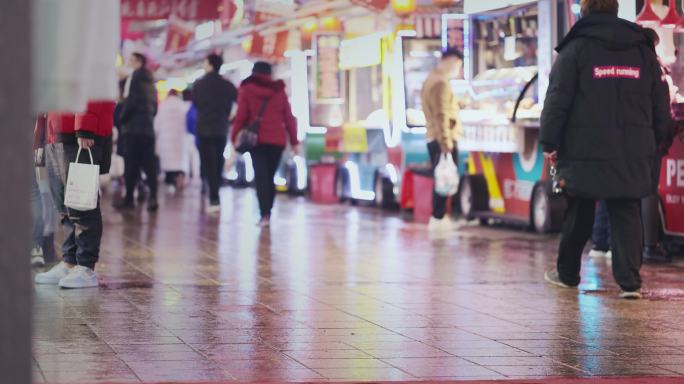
x=446, y=176
x=83, y=184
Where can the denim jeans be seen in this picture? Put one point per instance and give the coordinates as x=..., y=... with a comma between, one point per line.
x=600, y=235
x=36, y=212
x=82, y=229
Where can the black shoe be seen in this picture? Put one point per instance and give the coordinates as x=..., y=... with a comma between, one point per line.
x=152, y=205
x=142, y=193
x=124, y=205
x=552, y=277
x=656, y=254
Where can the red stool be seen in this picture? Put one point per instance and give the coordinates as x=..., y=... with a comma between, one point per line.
x=322, y=183
x=422, y=197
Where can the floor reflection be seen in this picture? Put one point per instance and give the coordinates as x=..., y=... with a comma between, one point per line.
x=343, y=293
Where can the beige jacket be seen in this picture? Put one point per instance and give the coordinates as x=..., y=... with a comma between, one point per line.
x=441, y=111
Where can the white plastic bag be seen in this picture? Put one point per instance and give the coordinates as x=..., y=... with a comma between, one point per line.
x=446, y=176
x=83, y=184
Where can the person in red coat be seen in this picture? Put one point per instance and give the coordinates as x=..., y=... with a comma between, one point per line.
x=65, y=133
x=277, y=127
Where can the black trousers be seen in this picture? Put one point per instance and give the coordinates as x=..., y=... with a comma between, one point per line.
x=266, y=159
x=626, y=239
x=211, y=156
x=439, y=202
x=82, y=229
x=139, y=155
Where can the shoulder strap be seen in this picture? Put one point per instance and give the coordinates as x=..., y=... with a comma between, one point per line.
x=262, y=108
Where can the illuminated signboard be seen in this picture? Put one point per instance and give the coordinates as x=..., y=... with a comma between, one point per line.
x=361, y=52
x=163, y=9
x=328, y=75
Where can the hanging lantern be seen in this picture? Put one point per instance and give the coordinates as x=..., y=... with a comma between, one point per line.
x=403, y=8
x=444, y=3
x=672, y=18
x=331, y=24
x=648, y=17
x=308, y=29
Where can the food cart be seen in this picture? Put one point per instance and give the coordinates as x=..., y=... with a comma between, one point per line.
x=349, y=113
x=671, y=190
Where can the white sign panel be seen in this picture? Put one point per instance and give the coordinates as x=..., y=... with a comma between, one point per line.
x=478, y=6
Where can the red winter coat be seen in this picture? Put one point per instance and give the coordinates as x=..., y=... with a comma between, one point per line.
x=277, y=123
x=96, y=122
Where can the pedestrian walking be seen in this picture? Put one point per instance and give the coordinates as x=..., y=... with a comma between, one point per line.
x=169, y=125
x=137, y=120
x=66, y=133
x=607, y=109
x=213, y=96
x=443, y=125
x=264, y=99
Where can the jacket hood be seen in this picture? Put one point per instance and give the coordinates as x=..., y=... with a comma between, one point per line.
x=610, y=31
x=264, y=84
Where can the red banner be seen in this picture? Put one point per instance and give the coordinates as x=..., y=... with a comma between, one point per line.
x=178, y=35
x=163, y=9
x=272, y=46
x=375, y=5
x=228, y=11
x=129, y=34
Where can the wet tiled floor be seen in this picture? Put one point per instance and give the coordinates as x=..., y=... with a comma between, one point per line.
x=339, y=293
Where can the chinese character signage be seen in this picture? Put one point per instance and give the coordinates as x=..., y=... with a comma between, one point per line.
x=271, y=46
x=328, y=74
x=178, y=35
x=163, y=9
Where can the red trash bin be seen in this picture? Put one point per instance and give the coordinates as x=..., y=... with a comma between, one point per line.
x=422, y=197
x=322, y=183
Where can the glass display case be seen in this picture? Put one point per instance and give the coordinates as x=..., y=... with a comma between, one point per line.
x=497, y=106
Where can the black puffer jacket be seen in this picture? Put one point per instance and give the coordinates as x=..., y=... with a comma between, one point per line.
x=607, y=109
x=140, y=105
x=214, y=97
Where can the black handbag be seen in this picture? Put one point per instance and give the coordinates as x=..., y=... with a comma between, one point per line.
x=248, y=137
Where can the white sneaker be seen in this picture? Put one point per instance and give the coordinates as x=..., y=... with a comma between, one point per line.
x=609, y=255
x=447, y=224
x=37, y=259
x=79, y=277
x=213, y=209
x=436, y=224
x=54, y=275
x=633, y=295
x=598, y=253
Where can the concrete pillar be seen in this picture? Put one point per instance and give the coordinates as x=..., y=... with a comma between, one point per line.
x=15, y=164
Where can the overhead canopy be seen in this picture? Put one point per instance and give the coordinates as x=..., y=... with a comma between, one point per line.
x=477, y=6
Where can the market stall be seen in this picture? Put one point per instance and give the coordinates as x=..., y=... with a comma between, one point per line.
x=506, y=177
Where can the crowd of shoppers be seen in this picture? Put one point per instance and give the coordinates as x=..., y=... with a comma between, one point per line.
x=151, y=139
x=594, y=129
